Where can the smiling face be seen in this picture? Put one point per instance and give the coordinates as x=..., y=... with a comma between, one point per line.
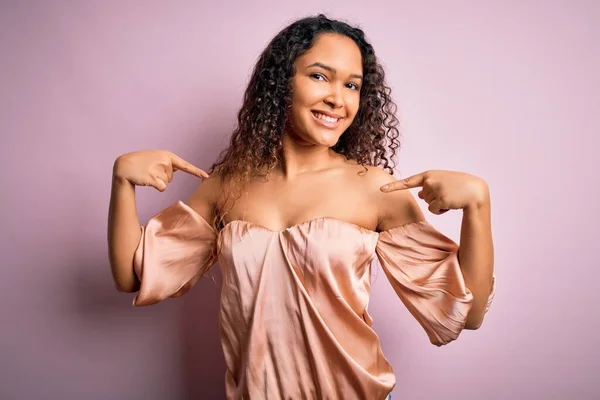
x=326, y=90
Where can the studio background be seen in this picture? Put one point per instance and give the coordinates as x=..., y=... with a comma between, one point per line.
x=504, y=90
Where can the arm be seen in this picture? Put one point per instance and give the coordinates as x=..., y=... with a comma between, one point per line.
x=476, y=257
x=124, y=229
x=124, y=233
x=422, y=266
x=144, y=168
x=447, y=190
x=176, y=249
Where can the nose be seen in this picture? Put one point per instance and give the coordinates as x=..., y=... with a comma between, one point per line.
x=335, y=98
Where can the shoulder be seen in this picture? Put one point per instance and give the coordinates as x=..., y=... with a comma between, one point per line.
x=204, y=198
x=393, y=208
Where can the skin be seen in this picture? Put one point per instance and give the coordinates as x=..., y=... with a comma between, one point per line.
x=313, y=181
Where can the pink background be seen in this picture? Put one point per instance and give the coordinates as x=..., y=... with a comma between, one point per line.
x=506, y=92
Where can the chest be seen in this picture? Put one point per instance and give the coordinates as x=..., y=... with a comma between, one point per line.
x=278, y=205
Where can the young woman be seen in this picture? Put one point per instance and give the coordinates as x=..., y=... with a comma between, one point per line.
x=295, y=210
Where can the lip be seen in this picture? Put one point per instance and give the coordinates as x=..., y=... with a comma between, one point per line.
x=330, y=125
x=332, y=115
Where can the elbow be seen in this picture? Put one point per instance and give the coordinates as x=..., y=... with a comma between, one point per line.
x=474, y=320
x=126, y=288
x=473, y=325
x=123, y=276
x=477, y=313
x=129, y=284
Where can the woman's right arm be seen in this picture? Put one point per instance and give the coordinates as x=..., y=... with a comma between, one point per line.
x=142, y=168
x=124, y=233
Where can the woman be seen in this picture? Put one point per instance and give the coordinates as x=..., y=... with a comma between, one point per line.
x=295, y=209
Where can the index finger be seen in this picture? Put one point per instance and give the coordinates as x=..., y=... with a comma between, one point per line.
x=406, y=183
x=181, y=164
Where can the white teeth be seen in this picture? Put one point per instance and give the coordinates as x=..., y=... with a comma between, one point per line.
x=326, y=118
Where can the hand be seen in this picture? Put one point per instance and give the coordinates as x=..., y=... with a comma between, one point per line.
x=444, y=190
x=152, y=168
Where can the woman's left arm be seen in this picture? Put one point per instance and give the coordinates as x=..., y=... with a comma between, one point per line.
x=476, y=256
x=451, y=190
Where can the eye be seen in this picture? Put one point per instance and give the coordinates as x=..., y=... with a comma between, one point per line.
x=317, y=76
x=352, y=86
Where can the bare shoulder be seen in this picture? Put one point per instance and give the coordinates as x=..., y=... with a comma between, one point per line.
x=205, y=196
x=394, y=208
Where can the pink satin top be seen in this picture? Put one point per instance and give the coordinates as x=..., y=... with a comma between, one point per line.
x=293, y=318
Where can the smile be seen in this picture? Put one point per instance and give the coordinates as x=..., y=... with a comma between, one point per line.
x=326, y=120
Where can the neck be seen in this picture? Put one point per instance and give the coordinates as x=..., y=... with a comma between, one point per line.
x=299, y=157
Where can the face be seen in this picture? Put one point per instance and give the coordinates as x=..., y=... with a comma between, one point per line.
x=326, y=90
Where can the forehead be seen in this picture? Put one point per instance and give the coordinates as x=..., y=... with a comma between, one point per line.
x=334, y=50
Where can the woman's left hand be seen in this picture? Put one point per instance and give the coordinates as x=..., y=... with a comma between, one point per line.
x=444, y=190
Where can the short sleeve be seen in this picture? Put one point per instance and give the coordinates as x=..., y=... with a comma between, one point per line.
x=422, y=267
x=176, y=248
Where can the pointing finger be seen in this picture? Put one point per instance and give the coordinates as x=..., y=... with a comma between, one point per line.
x=406, y=183
x=181, y=164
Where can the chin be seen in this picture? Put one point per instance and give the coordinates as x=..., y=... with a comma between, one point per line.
x=328, y=139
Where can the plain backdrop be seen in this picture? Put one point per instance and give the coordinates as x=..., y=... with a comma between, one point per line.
x=506, y=90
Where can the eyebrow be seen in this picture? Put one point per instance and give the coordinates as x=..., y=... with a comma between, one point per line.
x=328, y=68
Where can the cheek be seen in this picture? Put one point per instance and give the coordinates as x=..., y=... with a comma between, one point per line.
x=299, y=103
x=298, y=119
x=303, y=100
x=306, y=91
x=352, y=105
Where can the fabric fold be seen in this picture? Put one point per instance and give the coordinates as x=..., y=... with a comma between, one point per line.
x=422, y=266
x=176, y=248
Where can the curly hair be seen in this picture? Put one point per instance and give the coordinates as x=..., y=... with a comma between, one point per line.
x=256, y=143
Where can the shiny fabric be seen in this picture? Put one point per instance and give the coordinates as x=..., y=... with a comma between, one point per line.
x=294, y=320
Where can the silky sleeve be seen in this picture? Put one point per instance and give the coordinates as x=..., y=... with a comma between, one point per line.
x=176, y=248
x=422, y=266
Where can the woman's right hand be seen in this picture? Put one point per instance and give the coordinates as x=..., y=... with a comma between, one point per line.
x=152, y=168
